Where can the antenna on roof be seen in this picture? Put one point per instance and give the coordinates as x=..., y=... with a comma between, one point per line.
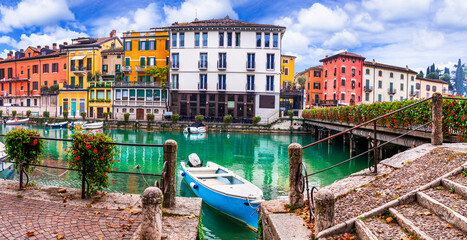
x=196, y=14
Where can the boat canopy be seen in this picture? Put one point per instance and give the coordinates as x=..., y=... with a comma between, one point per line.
x=197, y=124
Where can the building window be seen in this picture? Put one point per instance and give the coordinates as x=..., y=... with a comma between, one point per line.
x=342, y=96
x=286, y=71
x=123, y=110
x=229, y=39
x=222, y=61
x=203, y=81
x=353, y=72
x=317, y=85
x=142, y=45
x=221, y=83
x=402, y=76
x=54, y=67
x=118, y=94
x=174, y=81
x=250, y=61
x=391, y=75
x=205, y=39
x=35, y=86
x=203, y=60
x=270, y=62
x=258, y=39
x=402, y=87
x=433, y=88
x=45, y=83
x=427, y=95
x=343, y=82
x=367, y=97
x=380, y=73
x=237, y=39
x=428, y=87
x=197, y=39
x=266, y=39
x=411, y=78
x=270, y=83
x=35, y=69
x=152, y=46
x=316, y=73
x=343, y=70
x=274, y=40
x=128, y=46
x=105, y=68
x=175, y=63
x=45, y=68
x=100, y=94
x=380, y=98
x=417, y=86
x=221, y=39
x=367, y=71
x=286, y=61
x=326, y=73
x=174, y=40
x=390, y=98
x=380, y=84
x=250, y=83
x=182, y=40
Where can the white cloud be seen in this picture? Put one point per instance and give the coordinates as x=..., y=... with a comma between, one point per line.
x=140, y=20
x=344, y=39
x=365, y=22
x=321, y=18
x=50, y=35
x=203, y=9
x=34, y=13
x=427, y=40
x=398, y=9
x=452, y=13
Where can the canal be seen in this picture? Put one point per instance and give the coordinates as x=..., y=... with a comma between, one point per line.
x=259, y=158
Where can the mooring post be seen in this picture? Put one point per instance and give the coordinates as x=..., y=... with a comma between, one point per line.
x=170, y=159
x=296, y=198
x=437, y=118
x=324, y=211
x=151, y=222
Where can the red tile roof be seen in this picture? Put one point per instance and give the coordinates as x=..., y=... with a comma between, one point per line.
x=432, y=80
x=380, y=65
x=223, y=22
x=342, y=54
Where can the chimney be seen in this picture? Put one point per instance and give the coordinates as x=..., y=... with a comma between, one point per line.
x=407, y=67
x=46, y=46
x=373, y=61
x=54, y=46
x=65, y=43
x=113, y=33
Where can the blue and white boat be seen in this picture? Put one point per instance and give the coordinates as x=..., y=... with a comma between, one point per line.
x=56, y=125
x=224, y=190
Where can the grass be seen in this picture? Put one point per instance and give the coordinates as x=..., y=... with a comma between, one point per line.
x=464, y=173
x=439, y=188
x=260, y=228
x=452, y=190
x=200, y=227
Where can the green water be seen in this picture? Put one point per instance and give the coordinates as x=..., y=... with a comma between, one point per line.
x=259, y=158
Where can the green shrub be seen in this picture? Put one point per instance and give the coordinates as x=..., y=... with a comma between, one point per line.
x=175, y=118
x=199, y=118
x=13, y=113
x=28, y=113
x=290, y=113
x=228, y=119
x=83, y=115
x=65, y=114
x=45, y=114
x=105, y=115
x=256, y=120
x=150, y=117
x=1, y=113
x=127, y=117
x=21, y=148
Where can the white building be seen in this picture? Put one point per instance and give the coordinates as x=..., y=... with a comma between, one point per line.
x=386, y=83
x=223, y=66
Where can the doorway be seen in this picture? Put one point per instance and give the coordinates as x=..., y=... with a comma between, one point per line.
x=139, y=114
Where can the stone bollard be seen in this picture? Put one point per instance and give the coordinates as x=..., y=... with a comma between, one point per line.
x=151, y=222
x=324, y=207
x=296, y=198
x=437, y=118
x=170, y=157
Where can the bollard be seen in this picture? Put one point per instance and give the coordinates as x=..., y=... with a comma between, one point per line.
x=437, y=118
x=151, y=224
x=296, y=198
x=170, y=158
x=324, y=210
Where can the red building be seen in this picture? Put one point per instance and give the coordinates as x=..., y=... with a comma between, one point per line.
x=342, y=78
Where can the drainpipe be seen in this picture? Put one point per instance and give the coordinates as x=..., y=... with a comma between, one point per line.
x=374, y=83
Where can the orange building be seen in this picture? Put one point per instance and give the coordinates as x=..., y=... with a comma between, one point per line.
x=27, y=79
x=313, y=85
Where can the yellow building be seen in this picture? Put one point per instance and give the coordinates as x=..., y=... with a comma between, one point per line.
x=288, y=71
x=140, y=93
x=84, y=63
x=425, y=87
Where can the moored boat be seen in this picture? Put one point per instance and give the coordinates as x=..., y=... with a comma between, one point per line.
x=17, y=121
x=195, y=128
x=57, y=125
x=76, y=125
x=95, y=125
x=224, y=190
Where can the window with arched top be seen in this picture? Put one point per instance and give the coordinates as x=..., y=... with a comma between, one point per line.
x=391, y=75
x=380, y=73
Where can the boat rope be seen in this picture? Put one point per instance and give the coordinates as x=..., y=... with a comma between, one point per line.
x=142, y=175
x=249, y=204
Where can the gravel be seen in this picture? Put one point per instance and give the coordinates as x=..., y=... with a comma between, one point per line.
x=453, y=201
x=383, y=230
x=429, y=223
x=397, y=183
x=461, y=179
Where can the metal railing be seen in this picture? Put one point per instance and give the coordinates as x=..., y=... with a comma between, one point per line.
x=168, y=155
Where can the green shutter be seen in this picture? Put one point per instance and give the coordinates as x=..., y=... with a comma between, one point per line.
x=127, y=61
x=155, y=45
x=140, y=93
x=81, y=82
x=132, y=93
x=142, y=61
x=72, y=82
x=148, y=62
x=131, y=46
x=139, y=46
x=147, y=78
x=147, y=45
x=124, y=46
x=166, y=44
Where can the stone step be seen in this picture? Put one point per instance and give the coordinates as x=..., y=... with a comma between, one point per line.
x=381, y=227
x=408, y=225
x=444, y=212
x=460, y=179
x=448, y=197
x=457, y=187
x=428, y=224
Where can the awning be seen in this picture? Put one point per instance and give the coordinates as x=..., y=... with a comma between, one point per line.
x=78, y=57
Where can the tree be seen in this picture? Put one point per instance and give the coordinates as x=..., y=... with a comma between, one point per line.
x=301, y=80
x=446, y=71
x=460, y=76
x=447, y=78
x=433, y=75
x=162, y=74
x=427, y=70
x=420, y=74
x=433, y=68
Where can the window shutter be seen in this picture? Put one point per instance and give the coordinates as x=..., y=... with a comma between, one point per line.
x=147, y=45
x=142, y=61
x=124, y=46
x=127, y=61
x=131, y=46
x=139, y=46
x=155, y=46
x=166, y=44
x=148, y=61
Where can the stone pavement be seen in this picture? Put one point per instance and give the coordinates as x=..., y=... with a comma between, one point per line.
x=23, y=218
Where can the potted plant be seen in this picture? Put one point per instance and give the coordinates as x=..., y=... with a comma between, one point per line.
x=83, y=115
x=150, y=117
x=175, y=118
x=46, y=114
x=256, y=120
x=228, y=119
x=28, y=113
x=105, y=115
x=13, y=113
x=126, y=116
x=1, y=113
x=199, y=118
x=65, y=114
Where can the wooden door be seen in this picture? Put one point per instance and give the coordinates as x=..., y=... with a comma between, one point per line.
x=99, y=112
x=139, y=114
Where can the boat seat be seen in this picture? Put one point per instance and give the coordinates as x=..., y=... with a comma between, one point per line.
x=213, y=175
x=202, y=169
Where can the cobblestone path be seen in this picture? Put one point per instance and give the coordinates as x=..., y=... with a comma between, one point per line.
x=22, y=218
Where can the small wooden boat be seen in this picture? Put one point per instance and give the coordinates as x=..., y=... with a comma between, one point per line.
x=224, y=190
x=95, y=125
x=57, y=125
x=195, y=128
x=76, y=125
x=17, y=121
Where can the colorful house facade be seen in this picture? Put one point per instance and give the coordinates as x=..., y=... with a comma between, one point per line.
x=287, y=70
x=140, y=93
x=314, y=85
x=342, y=78
x=425, y=87
x=85, y=65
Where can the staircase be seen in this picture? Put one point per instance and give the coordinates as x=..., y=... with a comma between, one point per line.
x=435, y=213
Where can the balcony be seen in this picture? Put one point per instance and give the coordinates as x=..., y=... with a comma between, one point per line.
x=126, y=69
x=203, y=65
x=368, y=89
x=14, y=79
x=391, y=91
x=137, y=84
x=291, y=91
x=72, y=87
x=140, y=68
x=412, y=93
x=101, y=84
x=250, y=66
x=79, y=70
x=221, y=65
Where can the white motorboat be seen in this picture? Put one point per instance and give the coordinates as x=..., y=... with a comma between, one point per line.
x=95, y=125
x=17, y=121
x=195, y=128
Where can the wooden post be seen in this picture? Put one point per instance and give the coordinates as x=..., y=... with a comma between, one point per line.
x=170, y=158
x=20, y=176
x=324, y=200
x=296, y=198
x=83, y=181
x=151, y=224
x=437, y=118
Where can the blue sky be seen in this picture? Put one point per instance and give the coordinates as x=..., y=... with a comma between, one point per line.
x=416, y=33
